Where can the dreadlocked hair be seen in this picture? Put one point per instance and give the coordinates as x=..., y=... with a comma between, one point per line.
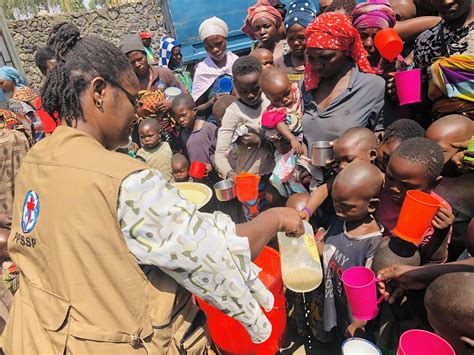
x=79, y=60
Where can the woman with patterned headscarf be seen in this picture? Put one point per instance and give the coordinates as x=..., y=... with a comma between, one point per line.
x=369, y=18
x=264, y=24
x=340, y=89
x=20, y=99
x=170, y=56
x=299, y=16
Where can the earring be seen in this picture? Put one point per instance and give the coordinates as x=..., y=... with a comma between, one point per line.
x=98, y=104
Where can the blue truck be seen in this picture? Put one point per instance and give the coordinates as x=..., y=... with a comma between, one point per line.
x=183, y=17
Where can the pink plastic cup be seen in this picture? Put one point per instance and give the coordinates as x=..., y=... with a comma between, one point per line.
x=421, y=342
x=360, y=286
x=408, y=85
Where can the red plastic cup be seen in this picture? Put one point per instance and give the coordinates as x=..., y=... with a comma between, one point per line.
x=419, y=342
x=247, y=186
x=360, y=287
x=415, y=217
x=408, y=85
x=197, y=170
x=388, y=43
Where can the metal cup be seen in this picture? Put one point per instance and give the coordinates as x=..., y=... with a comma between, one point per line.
x=225, y=190
x=320, y=152
x=171, y=92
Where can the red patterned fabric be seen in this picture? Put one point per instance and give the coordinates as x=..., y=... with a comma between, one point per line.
x=25, y=94
x=333, y=30
x=13, y=121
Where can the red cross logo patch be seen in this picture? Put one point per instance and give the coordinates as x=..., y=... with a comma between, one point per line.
x=30, y=213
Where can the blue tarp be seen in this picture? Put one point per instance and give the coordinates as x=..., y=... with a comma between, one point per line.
x=183, y=17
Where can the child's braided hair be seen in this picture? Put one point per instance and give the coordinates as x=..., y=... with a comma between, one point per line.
x=79, y=60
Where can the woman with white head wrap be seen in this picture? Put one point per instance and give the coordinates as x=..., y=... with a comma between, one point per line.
x=218, y=63
x=213, y=26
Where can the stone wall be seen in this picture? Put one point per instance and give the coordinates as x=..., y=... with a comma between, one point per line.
x=109, y=23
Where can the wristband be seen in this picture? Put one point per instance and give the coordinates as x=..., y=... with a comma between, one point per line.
x=307, y=209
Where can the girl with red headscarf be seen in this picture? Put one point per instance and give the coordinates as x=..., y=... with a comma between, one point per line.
x=264, y=23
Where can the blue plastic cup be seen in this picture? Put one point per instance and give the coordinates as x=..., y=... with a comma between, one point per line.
x=225, y=85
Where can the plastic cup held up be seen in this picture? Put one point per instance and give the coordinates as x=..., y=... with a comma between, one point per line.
x=415, y=217
x=225, y=85
x=470, y=148
x=247, y=186
x=361, y=292
x=172, y=92
x=408, y=85
x=388, y=43
x=418, y=342
x=197, y=170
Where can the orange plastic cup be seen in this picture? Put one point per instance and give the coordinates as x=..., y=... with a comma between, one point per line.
x=388, y=43
x=415, y=217
x=247, y=186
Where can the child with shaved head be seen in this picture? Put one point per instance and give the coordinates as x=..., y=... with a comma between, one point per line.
x=198, y=136
x=264, y=56
x=448, y=301
x=351, y=240
x=284, y=112
x=180, y=168
x=396, y=133
x=457, y=185
x=449, y=131
x=357, y=143
x=416, y=164
x=281, y=123
x=155, y=152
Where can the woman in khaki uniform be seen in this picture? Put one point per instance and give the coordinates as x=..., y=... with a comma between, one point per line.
x=108, y=253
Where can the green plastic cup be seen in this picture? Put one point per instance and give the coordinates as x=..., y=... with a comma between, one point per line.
x=470, y=148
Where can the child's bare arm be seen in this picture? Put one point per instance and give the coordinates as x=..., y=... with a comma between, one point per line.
x=357, y=326
x=320, y=246
x=316, y=199
x=285, y=132
x=436, y=250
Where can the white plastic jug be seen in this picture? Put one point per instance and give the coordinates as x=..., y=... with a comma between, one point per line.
x=301, y=271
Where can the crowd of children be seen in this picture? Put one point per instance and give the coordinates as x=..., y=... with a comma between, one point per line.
x=265, y=124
